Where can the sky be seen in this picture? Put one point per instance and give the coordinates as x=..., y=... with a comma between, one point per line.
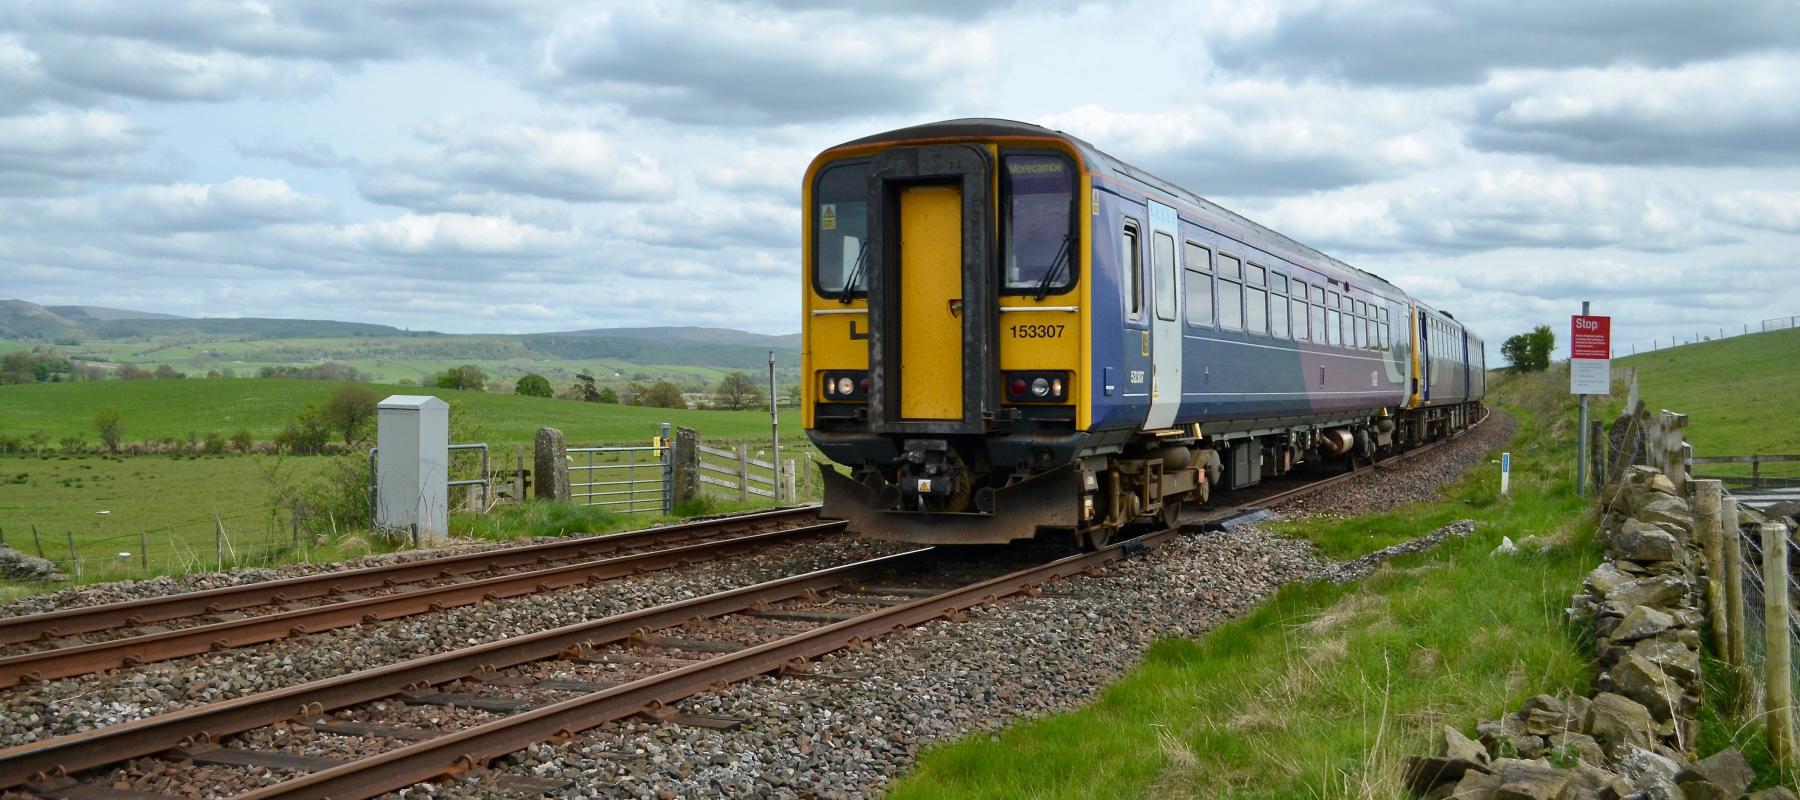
x=523, y=166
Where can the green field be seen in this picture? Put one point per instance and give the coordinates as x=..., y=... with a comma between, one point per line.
x=1740, y=394
x=158, y=409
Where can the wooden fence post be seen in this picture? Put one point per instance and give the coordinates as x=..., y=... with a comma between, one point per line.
x=1733, y=552
x=791, y=484
x=1597, y=455
x=1776, y=669
x=74, y=557
x=36, y=542
x=1706, y=526
x=219, y=540
x=143, y=550
x=743, y=459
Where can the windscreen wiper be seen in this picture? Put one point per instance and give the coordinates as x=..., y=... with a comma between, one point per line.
x=1056, y=266
x=856, y=271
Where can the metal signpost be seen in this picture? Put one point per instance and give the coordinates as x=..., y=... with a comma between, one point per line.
x=1590, y=372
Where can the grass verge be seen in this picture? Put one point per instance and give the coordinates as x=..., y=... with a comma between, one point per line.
x=1322, y=690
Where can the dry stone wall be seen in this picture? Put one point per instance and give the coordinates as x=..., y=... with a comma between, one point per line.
x=1634, y=738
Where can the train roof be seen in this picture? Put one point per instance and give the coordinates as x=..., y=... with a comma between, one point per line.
x=992, y=128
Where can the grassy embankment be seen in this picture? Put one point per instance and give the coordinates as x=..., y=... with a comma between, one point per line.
x=1324, y=689
x=1739, y=395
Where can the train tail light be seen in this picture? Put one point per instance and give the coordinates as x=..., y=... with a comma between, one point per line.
x=1037, y=387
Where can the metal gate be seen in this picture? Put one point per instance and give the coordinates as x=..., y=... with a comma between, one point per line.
x=627, y=479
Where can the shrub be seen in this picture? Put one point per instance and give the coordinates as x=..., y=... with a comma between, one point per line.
x=243, y=440
x=111, y=425
x=533, y=385
x=214, y=444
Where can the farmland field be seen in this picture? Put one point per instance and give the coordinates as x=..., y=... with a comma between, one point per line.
x=1741, y=394
x=174, y=408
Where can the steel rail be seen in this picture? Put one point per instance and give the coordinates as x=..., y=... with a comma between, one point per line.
x=144, y=737
x=473, y=747
x=87, y=658
x=1308, y=488
x=129, y=613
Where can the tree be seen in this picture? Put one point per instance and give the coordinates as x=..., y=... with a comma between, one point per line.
x=306, y=433
x=243, y=440
x=1529, y=352
x=663, y=394
x=607, y=395
x=164, y=372
x=467, y=377
x=133, y=372
x=111, y=425
x=584, y=388
x=737, y=392
x=534, y=385
x=350, y=408
x=633, y=394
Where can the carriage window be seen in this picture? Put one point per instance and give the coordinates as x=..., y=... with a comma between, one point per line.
x=1162, y=259
x=1358, y=335
x=1038, y=235
x=1253, y=275
x=1278, y=283
x=1334, y=320
x=1256, y=310
x=1345, y=322
x=1231, y=293
x=1199, y=285
x=1299, y=309
x=1130, y=260
x=840, y=230
x=1374, y=340
x=1278, y=316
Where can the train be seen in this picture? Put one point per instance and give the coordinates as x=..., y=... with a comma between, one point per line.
x=1009, y=334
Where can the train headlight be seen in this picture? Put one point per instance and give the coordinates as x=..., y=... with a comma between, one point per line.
x=845, y=385
x=1036, y=387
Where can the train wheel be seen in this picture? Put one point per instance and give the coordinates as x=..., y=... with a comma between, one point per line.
x=1171, y=513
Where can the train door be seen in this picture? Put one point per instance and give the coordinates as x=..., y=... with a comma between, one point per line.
x=1165, y=318
x=1468, y=382
x=1426, y=351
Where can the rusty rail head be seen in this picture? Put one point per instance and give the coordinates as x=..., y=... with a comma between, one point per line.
x=143, y=737
x=87, y=658
x=74, y=621
x=448, y=754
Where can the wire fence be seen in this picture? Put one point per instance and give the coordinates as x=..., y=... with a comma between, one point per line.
x=1698, y=335
x=211, y=542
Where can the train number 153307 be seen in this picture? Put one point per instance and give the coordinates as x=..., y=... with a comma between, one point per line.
x=1037, y=331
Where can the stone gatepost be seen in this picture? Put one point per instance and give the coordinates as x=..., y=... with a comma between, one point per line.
x=686, y=462
x=550, y=475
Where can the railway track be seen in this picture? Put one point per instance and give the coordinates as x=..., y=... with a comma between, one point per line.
x=372, y=594
x=449, y=715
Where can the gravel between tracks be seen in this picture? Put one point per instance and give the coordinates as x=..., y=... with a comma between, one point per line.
x=845, y=735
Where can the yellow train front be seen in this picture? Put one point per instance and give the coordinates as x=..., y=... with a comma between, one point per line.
x=1010, y=334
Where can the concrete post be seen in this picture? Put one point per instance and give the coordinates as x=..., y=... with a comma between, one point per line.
x=413, y=437
x=687, y=465
x=550, y=468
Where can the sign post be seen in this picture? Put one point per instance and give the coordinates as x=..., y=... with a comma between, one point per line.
x=1505, y=471
x=1590, y=372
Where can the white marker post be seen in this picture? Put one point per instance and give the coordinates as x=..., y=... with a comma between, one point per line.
x=1505, y=471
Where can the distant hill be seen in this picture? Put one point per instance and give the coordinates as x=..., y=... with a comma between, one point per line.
x=82, y=313
x=690, y=355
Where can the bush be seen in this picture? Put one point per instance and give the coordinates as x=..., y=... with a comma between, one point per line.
x=74, y=445
x=243, y=440
x=11, y=444
x=111, y=425
x=214, y=444
x=467, y=377
x=533, y=385
x=662, y=394
x=350, y=409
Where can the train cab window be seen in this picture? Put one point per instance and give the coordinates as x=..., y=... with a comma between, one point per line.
x=840, y=231
x=1037, y=244
x=1334, y=320
x=1231, y=293
x=1130, y=259
x=1199, y=285
x=1298, y=305
x=1256, y=300
x=1162, y=259
x=1278, y=306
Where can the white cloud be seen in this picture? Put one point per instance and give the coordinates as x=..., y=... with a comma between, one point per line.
x=472, y=161
x=47, y=152
x=1775, y=211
